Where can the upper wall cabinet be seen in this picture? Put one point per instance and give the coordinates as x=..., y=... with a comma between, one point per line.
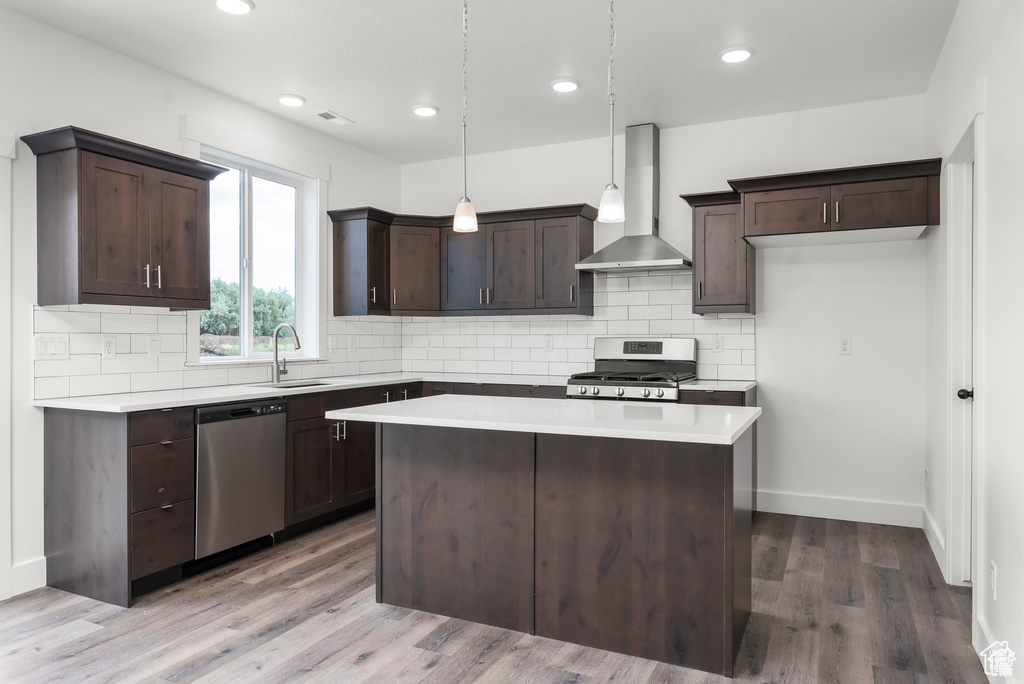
x=521, y=261
x=384, y=264
x=882, y=197
x=723, y=262
x=119, y=223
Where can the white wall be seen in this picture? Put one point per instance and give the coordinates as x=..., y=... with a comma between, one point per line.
x=6, y=154
x=807, y=307
x=52, y=79
x=979, y=70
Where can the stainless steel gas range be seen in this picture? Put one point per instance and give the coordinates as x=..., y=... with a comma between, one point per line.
x=645, y=369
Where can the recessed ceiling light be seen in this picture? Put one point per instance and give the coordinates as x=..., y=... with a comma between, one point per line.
x=291, y=100
x=236, y=6
x=424, y=110
x=736, y=54
x=565, y=85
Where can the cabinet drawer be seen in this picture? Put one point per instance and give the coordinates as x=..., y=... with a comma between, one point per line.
x=162, y=426
x=163, y=537
x=711, y=397
x=163, y=474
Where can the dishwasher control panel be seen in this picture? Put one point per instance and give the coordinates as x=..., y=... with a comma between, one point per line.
x=272, y=408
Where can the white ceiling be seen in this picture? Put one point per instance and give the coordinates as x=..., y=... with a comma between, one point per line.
x=371, y=60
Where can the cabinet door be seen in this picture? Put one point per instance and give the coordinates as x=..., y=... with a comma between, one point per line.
x=314, y=467
x=880, y=204
x=557, y=251
x=511, y=265
x=463, y=270
x=360, y=480
x=777, y=212
x=415, y=268
x=115, y=227
x=722, y=261
x=378, y=266
x=180, y=236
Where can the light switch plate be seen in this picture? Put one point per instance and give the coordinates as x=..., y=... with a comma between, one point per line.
x=53, y=347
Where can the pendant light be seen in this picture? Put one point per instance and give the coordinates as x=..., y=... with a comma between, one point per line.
x=465, y=215
x=611, y=209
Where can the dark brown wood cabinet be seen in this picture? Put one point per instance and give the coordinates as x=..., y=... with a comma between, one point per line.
x=382, y=266
x=120, y=223
x=415, y=268
x=119, y=499
x=856, y=198
x=520, y=261
x=723, y=262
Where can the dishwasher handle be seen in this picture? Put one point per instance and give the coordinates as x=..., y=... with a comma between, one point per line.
x=246, y=412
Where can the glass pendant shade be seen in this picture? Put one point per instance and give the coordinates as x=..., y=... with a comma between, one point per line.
x=611, y=209
x=465, y=217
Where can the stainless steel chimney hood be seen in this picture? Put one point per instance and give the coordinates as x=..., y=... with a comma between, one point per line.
x=640, y=249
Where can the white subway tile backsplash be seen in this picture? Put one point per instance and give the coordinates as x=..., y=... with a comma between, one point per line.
x=626, y=305
x=84, y=385
x=51, y=388
x=48, y=321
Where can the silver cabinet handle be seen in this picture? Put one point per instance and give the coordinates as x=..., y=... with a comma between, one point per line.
x=147, y=276
x=405, y=394
x=700, y=290
x=481, y=295
x=339, y=431
x=488, y=295
x=572, y=293
x=164, y=508
x=159, y=281
x=344, y=429
x=373, y=295
x=387, y=397
x=837, y=212
x=824, y=212
x=167, y=443
x=394, y=296
x=160, y=490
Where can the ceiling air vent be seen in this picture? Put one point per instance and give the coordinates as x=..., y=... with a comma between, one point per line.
x=334, y=117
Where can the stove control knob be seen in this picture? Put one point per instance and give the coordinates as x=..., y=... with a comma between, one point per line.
x=596, y=391
x=645, y=393
x=581, y=390
x=660, y=393
x=619, y=391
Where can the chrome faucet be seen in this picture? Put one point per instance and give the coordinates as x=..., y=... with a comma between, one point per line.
x=283, y=370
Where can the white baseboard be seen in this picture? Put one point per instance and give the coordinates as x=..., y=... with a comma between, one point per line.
x=937, y=541
x=856, y=510
x=28, y=576
x=982, y=639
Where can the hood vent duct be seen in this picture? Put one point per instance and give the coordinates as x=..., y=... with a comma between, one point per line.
x=640, y=249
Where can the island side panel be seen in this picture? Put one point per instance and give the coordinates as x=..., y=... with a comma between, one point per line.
x=742, y=496
x=631, y=547
x=456, y=513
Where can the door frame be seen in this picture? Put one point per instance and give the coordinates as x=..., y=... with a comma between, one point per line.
x=7, y=154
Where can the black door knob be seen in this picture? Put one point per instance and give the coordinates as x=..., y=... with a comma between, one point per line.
x=965, y=394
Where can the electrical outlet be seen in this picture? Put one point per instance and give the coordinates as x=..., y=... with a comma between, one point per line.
x=992, y=578
x=716, y=344
x=154, y=345
x=926, y=479
x=845, y=345
x=549, y=343
x=109, y=347
x=430, y=342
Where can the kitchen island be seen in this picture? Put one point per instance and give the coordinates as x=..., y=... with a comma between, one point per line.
x=617, y=525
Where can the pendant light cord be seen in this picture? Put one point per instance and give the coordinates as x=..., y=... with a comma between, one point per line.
x=611, y=84
x=465, y=88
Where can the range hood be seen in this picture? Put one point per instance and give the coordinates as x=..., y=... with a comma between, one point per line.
x=640, y=249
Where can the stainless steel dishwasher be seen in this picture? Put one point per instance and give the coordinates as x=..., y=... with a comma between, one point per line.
x=239, y=473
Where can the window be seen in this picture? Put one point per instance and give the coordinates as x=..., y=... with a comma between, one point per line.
x=263, y=262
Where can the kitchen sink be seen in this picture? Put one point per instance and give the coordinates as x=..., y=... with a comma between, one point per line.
x=292, y=383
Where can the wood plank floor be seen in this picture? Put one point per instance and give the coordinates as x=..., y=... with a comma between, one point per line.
x=833, y=602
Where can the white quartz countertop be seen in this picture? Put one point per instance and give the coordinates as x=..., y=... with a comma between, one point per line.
x=148, y=401
x=718, y=386
x=624, y=419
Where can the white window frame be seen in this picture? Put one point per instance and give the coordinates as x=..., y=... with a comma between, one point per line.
x=310, y=299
